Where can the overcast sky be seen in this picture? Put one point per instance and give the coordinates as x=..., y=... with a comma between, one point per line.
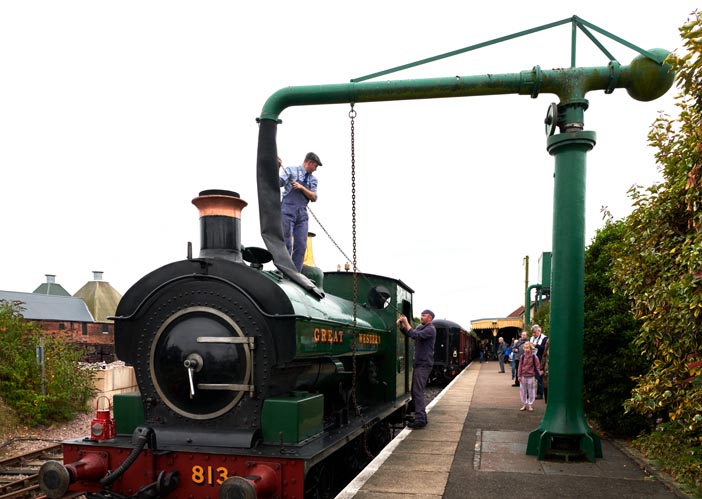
x=114, y=115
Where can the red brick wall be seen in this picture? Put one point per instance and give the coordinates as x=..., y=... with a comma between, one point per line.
x=96, y=338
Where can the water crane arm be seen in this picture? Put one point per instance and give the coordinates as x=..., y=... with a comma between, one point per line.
x=644, y=79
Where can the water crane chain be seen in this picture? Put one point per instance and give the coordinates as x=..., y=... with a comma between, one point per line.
x=352, y=116
x=367, y=427
x=321, y=226
x=343, y=253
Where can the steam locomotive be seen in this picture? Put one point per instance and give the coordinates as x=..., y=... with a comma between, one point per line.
x=250, y=385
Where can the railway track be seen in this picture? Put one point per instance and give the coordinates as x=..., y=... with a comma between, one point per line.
x=19, y=475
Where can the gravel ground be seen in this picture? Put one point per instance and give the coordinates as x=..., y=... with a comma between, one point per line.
x=15, y=441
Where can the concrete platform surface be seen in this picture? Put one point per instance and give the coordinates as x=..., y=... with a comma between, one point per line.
x=475, y=447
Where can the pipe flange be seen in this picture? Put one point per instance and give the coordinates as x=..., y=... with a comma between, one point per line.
x=615, y=70
x=537, y=82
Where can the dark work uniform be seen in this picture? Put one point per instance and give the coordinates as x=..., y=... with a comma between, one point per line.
x=294, y=211
x=424, y=337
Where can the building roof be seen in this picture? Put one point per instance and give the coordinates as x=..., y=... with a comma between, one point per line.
x=100, y=297
x=51, y=287
x=497, y=323
x=49, y=307
x=517, y=313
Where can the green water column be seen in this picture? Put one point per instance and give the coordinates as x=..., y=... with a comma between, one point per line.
x=563, y=429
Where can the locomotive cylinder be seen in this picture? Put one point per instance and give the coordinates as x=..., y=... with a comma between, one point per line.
x=54, y=478
x=260, y=483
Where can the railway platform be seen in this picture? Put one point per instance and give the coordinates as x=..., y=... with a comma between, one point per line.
x=475, y=447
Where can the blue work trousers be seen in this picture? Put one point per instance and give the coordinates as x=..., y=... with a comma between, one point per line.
x=295, y=222
x=419, y=382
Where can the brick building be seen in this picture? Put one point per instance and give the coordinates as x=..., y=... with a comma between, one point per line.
x=82, y=318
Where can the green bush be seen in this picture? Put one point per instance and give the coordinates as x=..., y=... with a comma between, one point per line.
x=610, y=358
x=658, y=267
x=675, y=452
x=64, y=388
x=542, y=317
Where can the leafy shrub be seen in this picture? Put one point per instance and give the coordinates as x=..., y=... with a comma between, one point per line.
x=659, y=269
x=610, y=358
x=676, y=453
x=57, y=394
x=542, y=317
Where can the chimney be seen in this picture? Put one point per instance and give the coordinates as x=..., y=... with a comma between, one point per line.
x=97, y=275
x=50, y=279
x=220, y=224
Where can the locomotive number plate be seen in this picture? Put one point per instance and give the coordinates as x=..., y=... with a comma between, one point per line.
x=209, y=475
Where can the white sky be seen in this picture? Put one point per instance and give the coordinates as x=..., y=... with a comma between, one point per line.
x=114, y=115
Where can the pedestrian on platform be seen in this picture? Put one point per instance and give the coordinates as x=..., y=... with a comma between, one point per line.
x=424, y=336
x=501, y=347
x=513, y=359
x=519, y=348
x=528, y=367
x=539, y=341
x=544, y=370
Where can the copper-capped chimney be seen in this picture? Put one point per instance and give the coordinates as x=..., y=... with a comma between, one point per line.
x=220, y=224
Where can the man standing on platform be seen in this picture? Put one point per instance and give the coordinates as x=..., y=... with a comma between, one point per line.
x=539, y=341
x=501, y=347
x=424, y=336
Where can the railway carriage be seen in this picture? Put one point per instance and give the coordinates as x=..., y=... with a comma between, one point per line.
x=454, y=348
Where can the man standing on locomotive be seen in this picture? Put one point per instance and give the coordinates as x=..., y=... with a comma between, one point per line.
x=299, y=188
x=424, y=336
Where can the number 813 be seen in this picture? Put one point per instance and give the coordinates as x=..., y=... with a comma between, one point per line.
x=209, y=475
